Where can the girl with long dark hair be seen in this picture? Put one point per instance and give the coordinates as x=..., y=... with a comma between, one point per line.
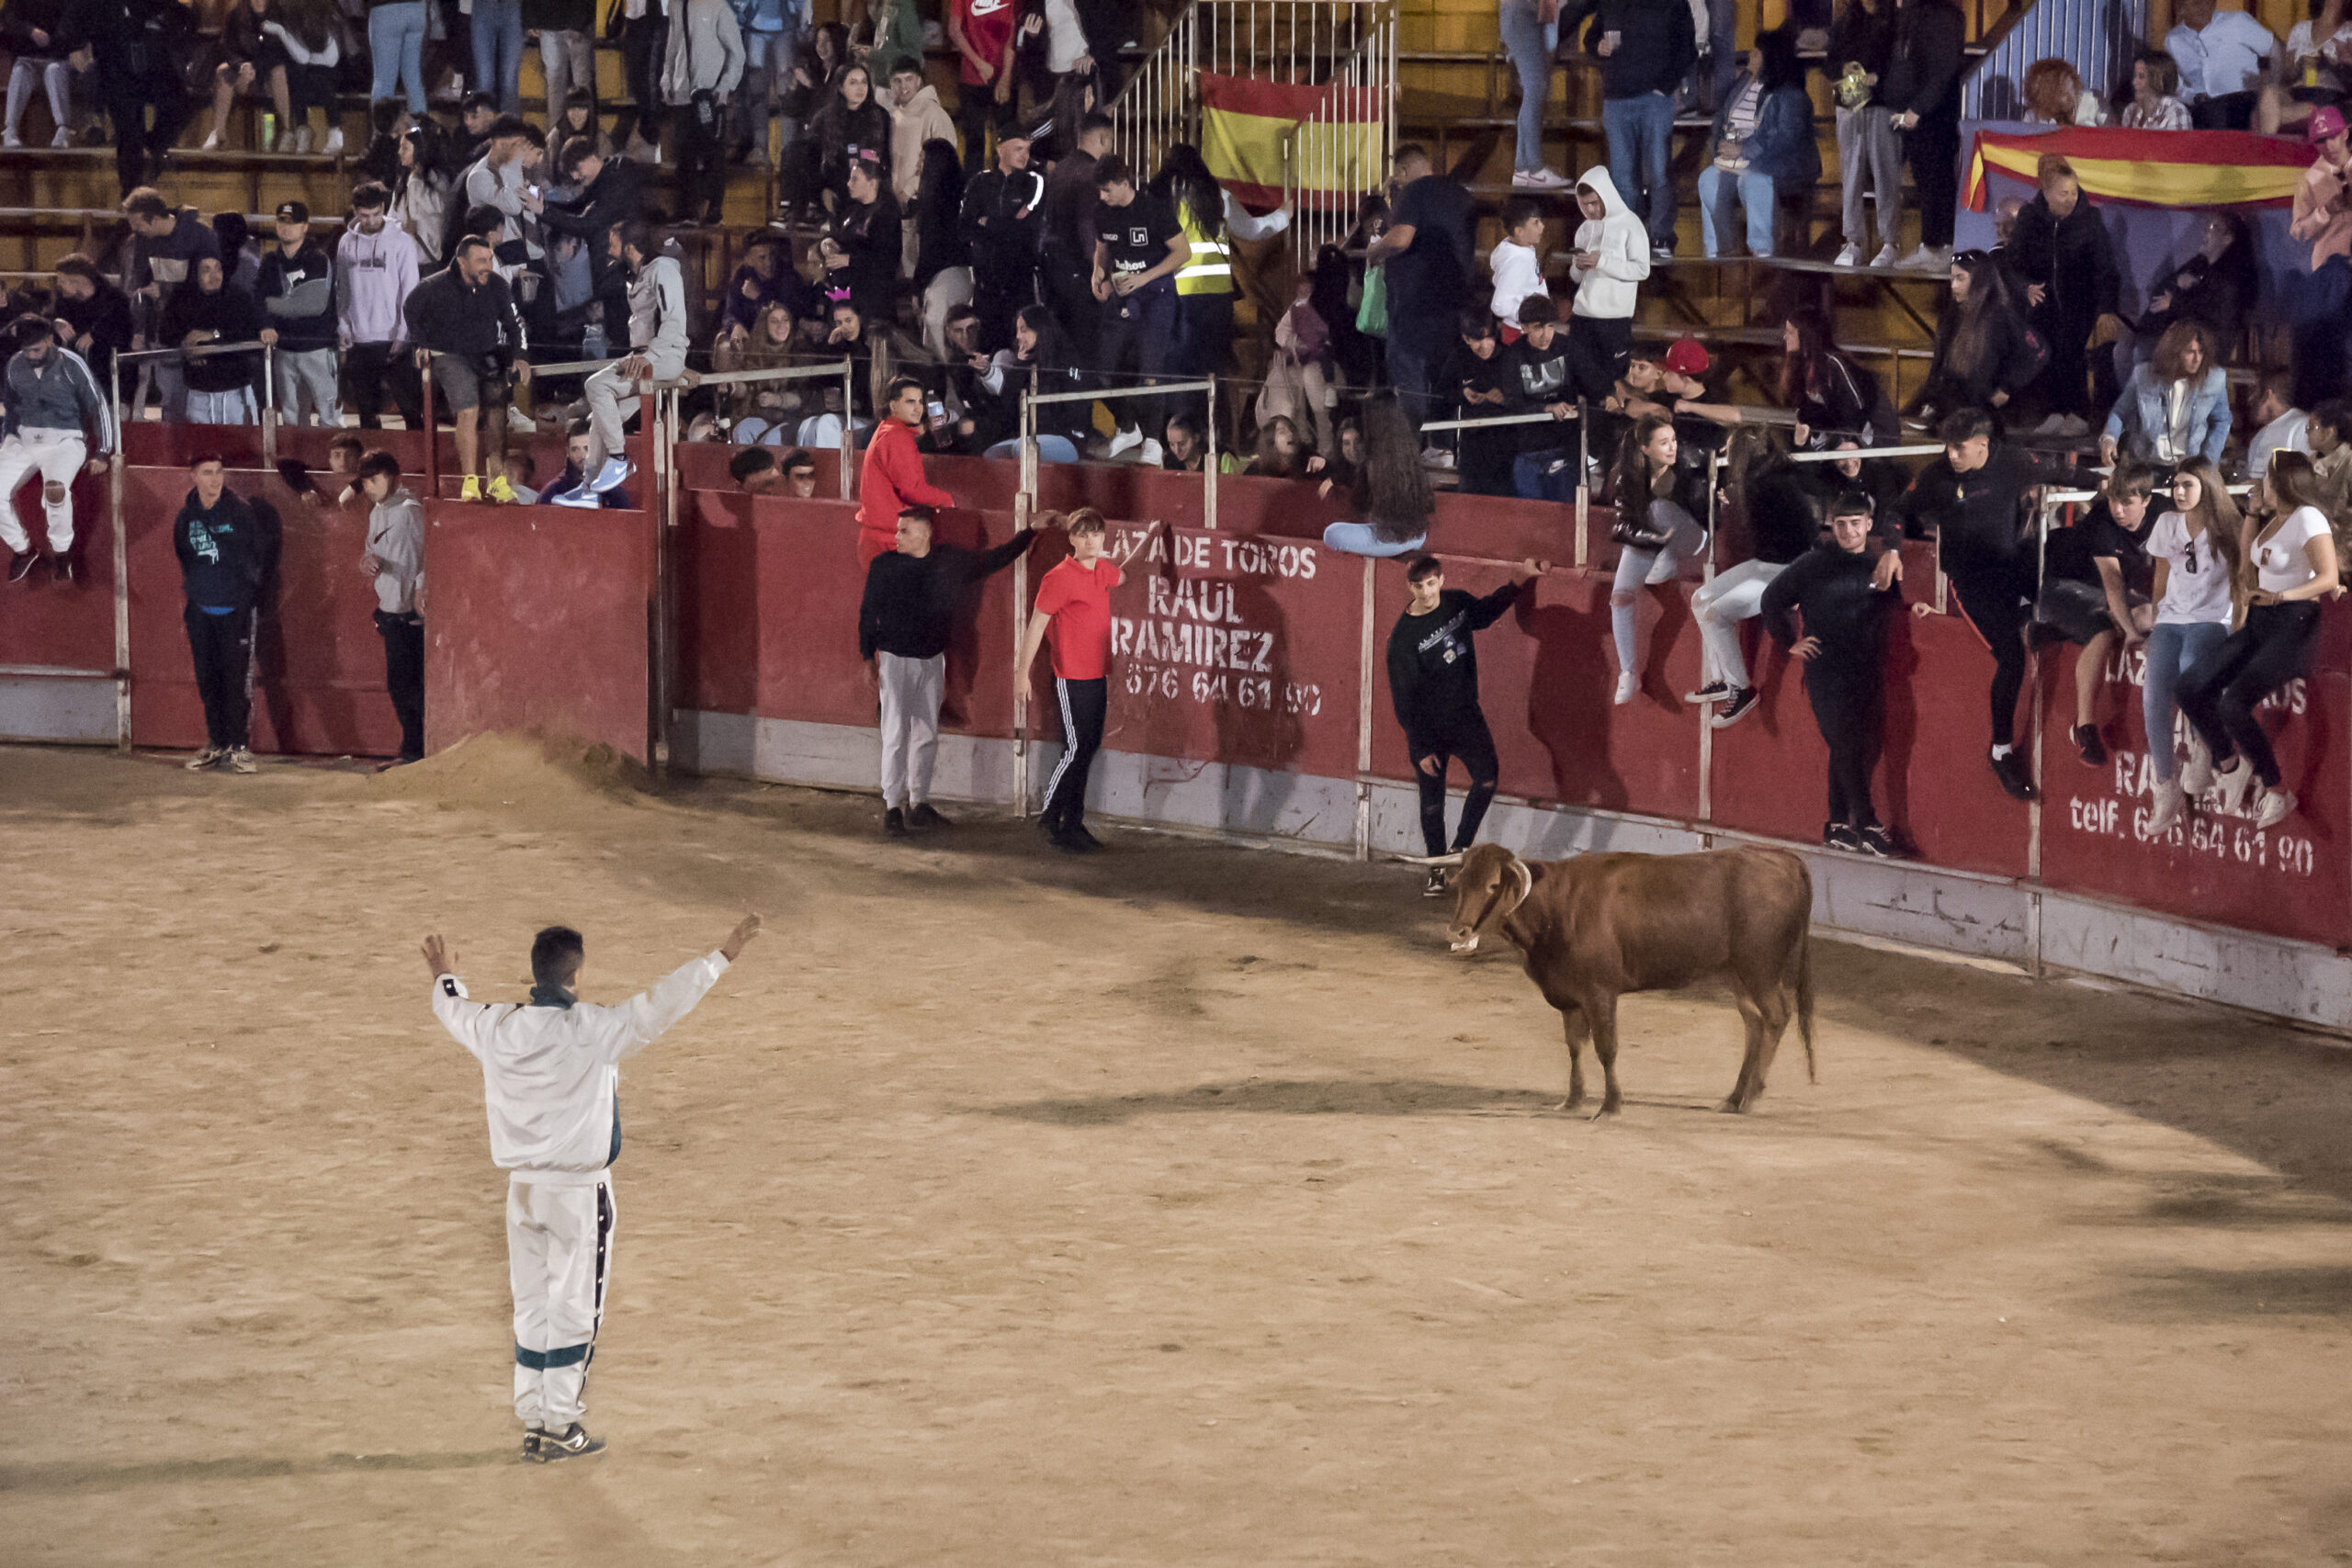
x=2195, y=548
x=1040, y=354
x=1834, y=398
x=1986, y=352
x=1655, y=526
x=1392, y=489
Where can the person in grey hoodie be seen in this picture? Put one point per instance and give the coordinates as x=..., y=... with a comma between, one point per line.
x=657, y=335
x=376, y=265
x=395, y=561
x=705, y=63
x=52, y=401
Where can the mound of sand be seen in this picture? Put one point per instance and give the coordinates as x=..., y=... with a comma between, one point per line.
x=507, y=770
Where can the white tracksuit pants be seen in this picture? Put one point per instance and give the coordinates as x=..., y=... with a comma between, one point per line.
x=1721, y=604
x=559, y=1256
x=611, y=401
x=912, y=690
x=59, y=455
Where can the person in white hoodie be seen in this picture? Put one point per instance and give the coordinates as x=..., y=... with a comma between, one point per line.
x=550, y=1074
x=657, y=336
x=1518, y=258
x=375, y=267
x=395, y=561
x=1611, y=260
x=916, y=117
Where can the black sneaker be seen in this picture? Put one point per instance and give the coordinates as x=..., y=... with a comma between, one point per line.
x=2010, y=771
x=926, y=816
x=531, y=1437
x=1066, y=843
x=572, y=1442
x=1434, y=886
x=1839, y=836
x=1732, y=712
x=2093, y=750
x=1712, y=692
x=1085, y=840
x=22, y=567
x=62, y=567
x=1875, y=840
x=894, y=823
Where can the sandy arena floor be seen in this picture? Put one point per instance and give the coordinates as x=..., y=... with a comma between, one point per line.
x=1184, y=1206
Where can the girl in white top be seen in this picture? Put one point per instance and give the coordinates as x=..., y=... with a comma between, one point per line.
x=1519, y=259
x=2195, y=551
x=2290, y=557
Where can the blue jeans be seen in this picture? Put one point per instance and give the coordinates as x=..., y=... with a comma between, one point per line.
x=498, y=52
x=1523, y=40
x=1050, y=449
x=396, y=43
x=1718, y=188
x=1639, y=129
x=1357, y=540
x=2172, y=649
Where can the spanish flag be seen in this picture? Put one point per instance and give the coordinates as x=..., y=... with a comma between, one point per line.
x=2152, y=168
x=1254, y=134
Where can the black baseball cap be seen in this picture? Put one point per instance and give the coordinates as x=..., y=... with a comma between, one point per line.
x=293, y=212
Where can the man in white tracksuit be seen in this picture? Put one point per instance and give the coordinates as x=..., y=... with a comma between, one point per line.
x=657, y=335
x=550, y=1074
x=55, y=407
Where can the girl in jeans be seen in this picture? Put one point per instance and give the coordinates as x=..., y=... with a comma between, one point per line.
x=2196, y=552
x=396, y=45
x=1656, y=527
x=2290, y=556
x=1531, y=32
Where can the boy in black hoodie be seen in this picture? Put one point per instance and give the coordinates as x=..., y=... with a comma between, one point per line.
x=297, y=292
x=219, y=543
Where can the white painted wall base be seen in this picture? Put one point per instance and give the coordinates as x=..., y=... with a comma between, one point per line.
x=58, y=707
x=1957, y=912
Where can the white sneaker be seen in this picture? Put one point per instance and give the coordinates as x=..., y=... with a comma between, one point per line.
x=1150, y=455
x=1886, y=255
x=521, y=423
x=613, y=475
x=13, y=139
x=213, y=142
x=302, y=139
x=1436, y=457
x=2235, y=785
x=1626, y=687
x=2277, y=804
x=204, y=759
x=63, y=138
x=2197, y=777
x=1927, y=258
x=1126, y=440
x=334, y=142
x=1851, y=255
x=2169, y=802
x=1538, y=179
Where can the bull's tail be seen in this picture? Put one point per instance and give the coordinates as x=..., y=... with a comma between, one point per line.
x=1804, y=989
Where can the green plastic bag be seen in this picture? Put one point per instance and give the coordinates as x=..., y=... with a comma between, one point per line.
x=1372, y=316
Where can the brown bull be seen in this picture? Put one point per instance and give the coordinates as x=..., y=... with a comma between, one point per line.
x=1599, y=926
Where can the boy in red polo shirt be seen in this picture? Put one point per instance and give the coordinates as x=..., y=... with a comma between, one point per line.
x=1074, y=610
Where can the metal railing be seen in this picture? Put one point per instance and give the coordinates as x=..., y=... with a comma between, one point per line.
x=1344, y=146
x=1581, y=419
x=1160, y=104
x=846, y=370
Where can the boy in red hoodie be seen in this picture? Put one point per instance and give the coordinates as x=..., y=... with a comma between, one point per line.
x=1073, y=609
x=891, y=479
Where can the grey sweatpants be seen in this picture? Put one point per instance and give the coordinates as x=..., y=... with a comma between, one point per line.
x=611, y=401
x=1869, y=159
x=912, y=689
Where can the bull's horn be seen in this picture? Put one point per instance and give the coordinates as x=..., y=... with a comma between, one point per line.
x=1454, y=859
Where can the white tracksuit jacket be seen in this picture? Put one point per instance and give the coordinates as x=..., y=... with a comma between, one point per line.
x=551, y=1076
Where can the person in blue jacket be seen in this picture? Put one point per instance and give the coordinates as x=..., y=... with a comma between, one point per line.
x=2177, y=405
x=1763, y=144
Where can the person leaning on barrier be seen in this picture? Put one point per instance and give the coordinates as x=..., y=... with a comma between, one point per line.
x=1654, y=495
x=54, y=409
x=754, y=471
x=892, y=478
x=212, y=310
x=1072, y=611
x=2095, y=592
x=1972, y=496
x=903, y=626
x=296, y=294
x=469, y=338
x=92, y=315
x=1545, y=372
x=1475, y=381
x=658, y=342
x=222, y=561
x=394, y=560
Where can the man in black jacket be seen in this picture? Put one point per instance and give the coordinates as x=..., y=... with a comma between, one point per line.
x=1972, y=496
x=1921, y=93
x=222, y=559
x=612, y=192
x=2061, y=254
x=469, y=338
x=139, y=47
x=1646, y=48
x=297, y=291
x=863, y=245
x=903, y=626
x=1003, y=216
x=1434, y=681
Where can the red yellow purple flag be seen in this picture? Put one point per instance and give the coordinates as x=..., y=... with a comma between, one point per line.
x=2152, y=168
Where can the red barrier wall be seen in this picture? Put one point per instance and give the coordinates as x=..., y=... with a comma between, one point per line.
x=59, y=626
x=537, y=618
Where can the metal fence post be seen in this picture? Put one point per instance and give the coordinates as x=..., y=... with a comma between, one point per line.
x=121, y=572
x=431, y=435
x=269, y=405
x=1583, y=489
x=1208, y=463
x=849, y=429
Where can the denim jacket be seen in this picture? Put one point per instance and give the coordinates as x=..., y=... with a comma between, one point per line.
x=1782, y=147
x=2141, y=412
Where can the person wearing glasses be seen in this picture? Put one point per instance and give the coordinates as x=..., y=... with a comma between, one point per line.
x=2195, y=548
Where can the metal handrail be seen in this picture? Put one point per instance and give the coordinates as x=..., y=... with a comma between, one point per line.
x=201, y=350
x=1867, y=452
x=1106, y=394
x=1541, y=417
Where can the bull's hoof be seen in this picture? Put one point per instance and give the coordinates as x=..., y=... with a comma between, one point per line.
x=1608, y=1108
x=1732, y=1108
x=1574, y=1102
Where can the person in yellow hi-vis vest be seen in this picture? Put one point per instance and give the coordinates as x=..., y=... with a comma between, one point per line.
x=1211, y=221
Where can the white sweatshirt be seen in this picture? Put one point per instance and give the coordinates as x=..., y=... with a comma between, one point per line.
x=551, y=1076
x=1519, y=272
x=396, y=538
x=1622, y=247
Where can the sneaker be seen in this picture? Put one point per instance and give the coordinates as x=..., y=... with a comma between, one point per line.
x=1063, y=842
x=471, y=489
x=1927, y=258
x=2086, y=740
x=572, y=1442
x=22, y=567
x=1886, y=255
x=204, y=760
x=575, y=497
x=1731, y=713
x=2277, y=804
x=213, y=142
x=2196, y=775
x=500, y=490
x=531, y=1439
x=2011, y=770
x=11, y=140
x=1875, y=840
x=1712, y=692
x=2236, y=782
x=1436, y=457
x=1150, y=455
x=926, y=816
x=1661, y=252
x=1627, y=686
x=302, y=139
x=1839, y=836
x=1538, y=179
x=2170, y=800
x=63, y=138
x=1126, y=440
x=241, y=760
x=1086, y=840
x=1433, y=885
x=894, y=823
x=1849, y=255
x=615, y=472
x=520, y=422
x=334, y=146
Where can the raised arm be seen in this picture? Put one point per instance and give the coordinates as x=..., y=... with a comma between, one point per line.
x=649, y=1014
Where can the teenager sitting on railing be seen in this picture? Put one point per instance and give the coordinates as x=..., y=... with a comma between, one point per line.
x=1654, y=498
x=1393, y=496
x=2095, y=593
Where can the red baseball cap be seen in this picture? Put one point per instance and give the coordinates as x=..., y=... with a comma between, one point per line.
x=1688, y=356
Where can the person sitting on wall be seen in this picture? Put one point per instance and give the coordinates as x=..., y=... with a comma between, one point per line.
x=2095, y=593
x=1392, y=489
